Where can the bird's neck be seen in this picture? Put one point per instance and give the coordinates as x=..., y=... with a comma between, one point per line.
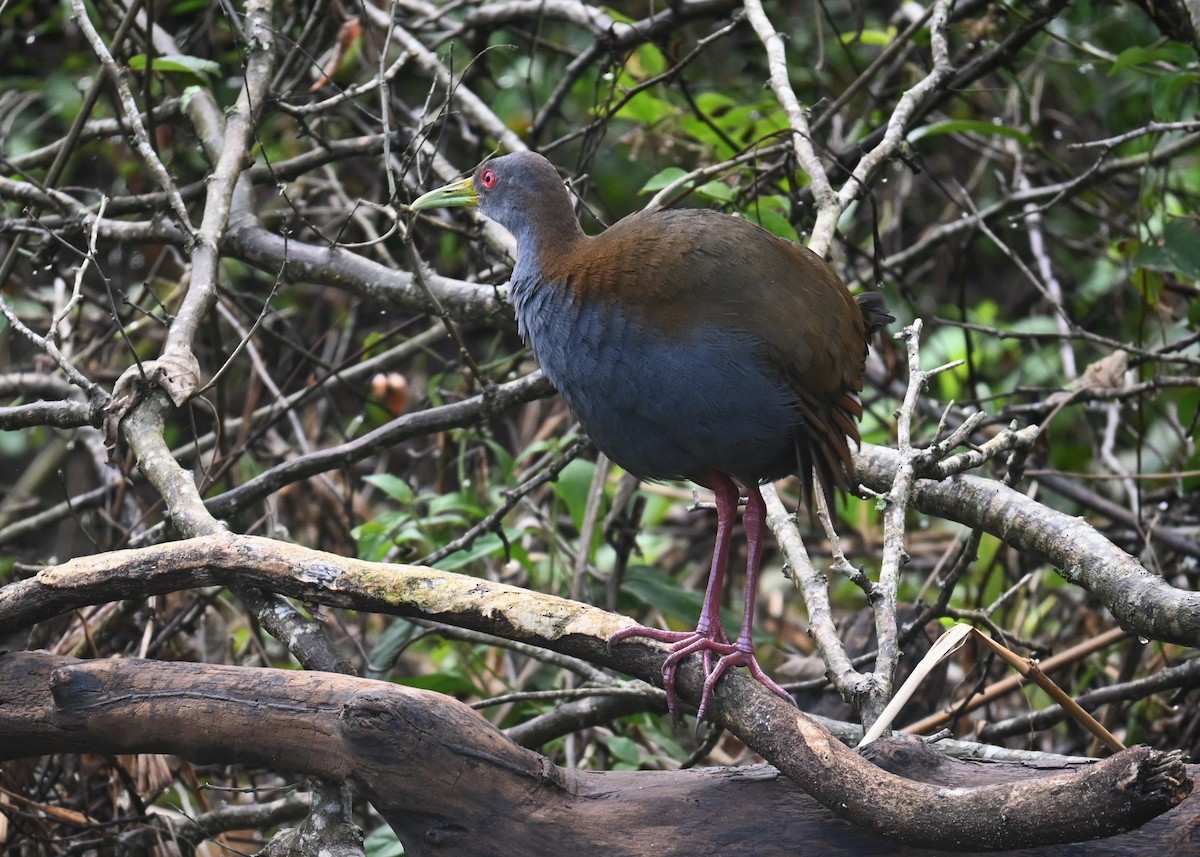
x=531, y=293
x=544, y=244
x=544, y=299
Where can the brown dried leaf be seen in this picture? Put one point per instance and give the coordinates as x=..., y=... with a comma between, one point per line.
x=178, y=373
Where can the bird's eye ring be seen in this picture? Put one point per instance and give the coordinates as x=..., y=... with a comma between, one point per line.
x=487, y=178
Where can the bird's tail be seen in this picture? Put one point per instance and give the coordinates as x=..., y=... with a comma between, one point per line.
x=875, y=312
x=823, y=442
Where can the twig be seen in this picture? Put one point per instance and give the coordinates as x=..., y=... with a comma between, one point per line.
x=907, y=107
x=1011, y=683
x=133, y=114
x=849, y=682
x=511, y=499
x=47, y=343
x=806, y=154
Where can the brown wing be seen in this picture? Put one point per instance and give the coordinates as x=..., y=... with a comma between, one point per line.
x=709, y=267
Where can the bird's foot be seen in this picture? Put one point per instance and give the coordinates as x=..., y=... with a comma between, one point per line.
x=708, y=643
x=683, y=643
x=738, y=657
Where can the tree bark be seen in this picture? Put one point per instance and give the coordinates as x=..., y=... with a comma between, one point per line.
x=451, y=784
x=1143, y=603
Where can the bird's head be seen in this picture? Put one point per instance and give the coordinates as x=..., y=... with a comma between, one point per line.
x=519, y=191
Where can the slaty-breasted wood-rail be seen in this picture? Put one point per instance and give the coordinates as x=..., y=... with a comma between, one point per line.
x=692, y=345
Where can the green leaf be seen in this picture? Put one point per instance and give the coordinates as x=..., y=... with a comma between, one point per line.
x=395, y=639
x=1178, y=251
x=653, y=588
x=448, y=682
x=1171, y=52
x=175, y=64
x=718, y=191
x=572, y=487
x=645, y=110
x=663, y=178
x=382, y=842
x=775, y=223
x=504, y=459
x=875, y=38
x=955, y=126
x=484, y=546
x=1172, y=97
x=377, y=538
x=625, y=749
x=704, y=133
x=455, y=504
x=646, y=62
x=393, y=486
x=715, y=103
x=184, y=7
x=771, y=213
x=1150, y=283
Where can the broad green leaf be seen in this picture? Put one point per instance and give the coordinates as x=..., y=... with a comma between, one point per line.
x=393, y=486
x=718, y=191
x=625, y=749
x=398, y=635
x=645, y=110
x=1178, y=250
x=653, y=588
x=771, y=213
x=704, y=133
x=455, y=504
x=1172, y=97
x=715, y=103
x=1150, y=283
x=448, y=682
x=773, y=222
x=382, y=842
x=646, y=62
x=662, y=178
x=572, y=487
x=504, y=459
x=484, y=546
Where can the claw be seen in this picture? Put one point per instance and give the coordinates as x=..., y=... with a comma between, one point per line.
x=737, y=658
x=685, y=643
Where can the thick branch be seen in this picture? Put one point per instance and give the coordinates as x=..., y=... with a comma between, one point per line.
x=445, y=779
x=1144, y=604
x=299, y=262
x=1045, y=811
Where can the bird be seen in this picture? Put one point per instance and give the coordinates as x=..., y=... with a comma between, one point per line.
x=690, y=345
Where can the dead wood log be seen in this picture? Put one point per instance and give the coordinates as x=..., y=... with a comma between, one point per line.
x=451, y=784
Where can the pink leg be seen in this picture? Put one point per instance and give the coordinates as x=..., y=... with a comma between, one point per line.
x=710, y=633
x=754, y=521
x=709, y=636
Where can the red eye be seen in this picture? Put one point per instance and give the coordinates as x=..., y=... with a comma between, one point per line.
x=487, y=178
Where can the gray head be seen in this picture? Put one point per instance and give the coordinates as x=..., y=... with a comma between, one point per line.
x=522, y=192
